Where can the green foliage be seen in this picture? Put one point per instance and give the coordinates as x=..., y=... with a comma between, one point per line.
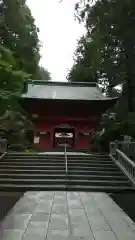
x=14, y=121
x=114, y=130
x=19, y=34
x=19, y=48
x=102, y=52
x=15, y=126
x=19, y=61
x=12, y=79
x=106, y=54
x=29, y=150
x=86, y=61
x=43, y=74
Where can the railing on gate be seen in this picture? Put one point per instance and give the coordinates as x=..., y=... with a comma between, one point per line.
x=3, y=146
x=122, y=153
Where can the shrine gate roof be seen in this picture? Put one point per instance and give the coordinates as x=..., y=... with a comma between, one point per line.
x=64, y=91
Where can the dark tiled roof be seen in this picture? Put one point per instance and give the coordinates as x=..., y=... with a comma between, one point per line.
x=64, y=91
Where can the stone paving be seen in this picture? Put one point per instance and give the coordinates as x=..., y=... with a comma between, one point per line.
x=66, y=215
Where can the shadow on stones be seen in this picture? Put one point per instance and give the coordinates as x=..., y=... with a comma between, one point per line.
x=126, y=201
x=7, y=201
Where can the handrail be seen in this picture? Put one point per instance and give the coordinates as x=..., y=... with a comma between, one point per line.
x=3, y=145
x=126, y=147
x=66, y=167
x=125, y=164
x=3, y=155
x=127, y=159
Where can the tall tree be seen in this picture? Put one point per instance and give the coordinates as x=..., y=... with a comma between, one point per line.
x=11, y=81
x=43, y=74
x=19, y=33
x=19, y=58
x=86, y=61
x=112, y=22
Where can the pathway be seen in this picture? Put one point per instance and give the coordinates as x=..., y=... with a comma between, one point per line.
x=71, y=215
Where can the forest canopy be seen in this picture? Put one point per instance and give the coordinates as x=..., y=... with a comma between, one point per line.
x=106, y=53
x=19, y=55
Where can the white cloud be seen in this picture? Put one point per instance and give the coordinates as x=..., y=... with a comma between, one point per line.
x=58, y=33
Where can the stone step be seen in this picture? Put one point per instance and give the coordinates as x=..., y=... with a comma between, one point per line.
x=94, y=167
x=63, y=187
x=55, y=157
x=10, y=187
x=47, y=172
x=18, y=163
x=107, y=189
x=34, y=157
x=53, y=171
x=77, y=161
x=68, y=181
x=56, y=167
x=60, y=176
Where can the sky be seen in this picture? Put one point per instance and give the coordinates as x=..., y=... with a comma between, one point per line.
x=59, y=32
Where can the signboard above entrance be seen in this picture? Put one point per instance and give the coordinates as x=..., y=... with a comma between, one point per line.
x=64, y=126
x=64, y=135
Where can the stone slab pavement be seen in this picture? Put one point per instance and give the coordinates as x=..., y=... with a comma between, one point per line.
x=66, y=215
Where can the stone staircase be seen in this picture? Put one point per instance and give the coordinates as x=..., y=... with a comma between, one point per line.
x=30, y=171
